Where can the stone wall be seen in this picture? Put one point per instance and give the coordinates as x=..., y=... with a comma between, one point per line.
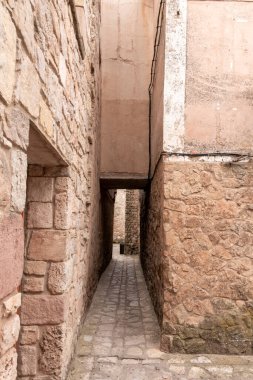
x=208, y=257
x=119, y=217
x=132, y=222
x=49, y=118
x=152, y=239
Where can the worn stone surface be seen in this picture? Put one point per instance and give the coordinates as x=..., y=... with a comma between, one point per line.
x=35, y=267
x=8, y=54
x=11, y=305
x=9, y=332
x=8, y=365
x=120, y=337
x=12, y=252
x=42, y=309
x=132, y=222
x=29, y=335
x=59, y=277
x=27, y=361
x=119, y=217
x=33, y=284
x=40, y=189
x=51, y=346
x=47, y=245
x=40, y=215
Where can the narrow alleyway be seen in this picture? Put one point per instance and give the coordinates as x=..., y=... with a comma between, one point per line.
x=120, y=336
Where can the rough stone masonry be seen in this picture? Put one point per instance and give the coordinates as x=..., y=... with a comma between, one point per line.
x=50, y=204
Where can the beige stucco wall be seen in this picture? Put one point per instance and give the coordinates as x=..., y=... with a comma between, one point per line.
x=127, y=46
x=219, y=78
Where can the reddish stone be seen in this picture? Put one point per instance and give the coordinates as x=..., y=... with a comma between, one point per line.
x=42, y=309
x=47, y=245
x=12, y=253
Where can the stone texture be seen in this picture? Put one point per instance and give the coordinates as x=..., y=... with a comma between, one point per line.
x=59, y=277
x=40, y=189
x=8, y=365
x=29, y=335
x=9, y=332
x=42, y=309
x=27, y=361
x=132, y=222
x=11, y=305
x=28, y=87
x=40, y=215
x=18, y=127
x=7, y=55
x=5, y=179
x=47, y=245
x=51, y=345
x=119, y=217
x=35, y=267
x=18, y=183
x=12, y=253
x=32, y=284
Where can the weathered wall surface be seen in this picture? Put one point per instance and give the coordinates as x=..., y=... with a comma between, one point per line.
x=45, y=81
x=219, y=76
x=208, y=258
x=152, y=240
x=127, y=47
x=119, y=217
x=132, y=222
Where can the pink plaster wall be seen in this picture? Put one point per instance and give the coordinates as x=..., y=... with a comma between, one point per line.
x=219, y=77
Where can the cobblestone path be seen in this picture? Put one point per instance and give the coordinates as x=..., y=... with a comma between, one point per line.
x=120, y=337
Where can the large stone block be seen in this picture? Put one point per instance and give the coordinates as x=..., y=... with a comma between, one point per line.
x=40, y=189
x=35, y=267
x=46, y=119
x=5, y=179
x=8, y=365
x=9, y=332
x=40, y=215
x=27, y=361
x=28, y=87
x=24, y=19
x=42, y=309
x=18, y=180
x=12, y=253
x=7, y=54
x=51, y=345
x=47, y=245
x=18, y=127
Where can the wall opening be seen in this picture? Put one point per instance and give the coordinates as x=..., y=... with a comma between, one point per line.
x=126, y=226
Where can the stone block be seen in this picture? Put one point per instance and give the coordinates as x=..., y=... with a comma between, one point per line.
x=35, y=267
x=63, y=70
x=29, y=335
x=59, y=277
x=47, y=245
x=12, y=253
x=18, y=127
x=7, y=54
x=27, y=361
x=18, y=180
x=40, y=189
x=11, y=305
x=28, y=87
x=9, y=332
x=33, y=284
x=51, y=344
x=8, y=365
x=40, y=215
x=23, y=18
x=5, y=179
x=62, y=215
x=46, y=119
x=42, y=309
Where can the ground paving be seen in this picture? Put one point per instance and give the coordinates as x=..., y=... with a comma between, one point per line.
x=120, y=337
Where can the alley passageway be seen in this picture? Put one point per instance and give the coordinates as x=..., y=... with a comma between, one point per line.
x=120, y=336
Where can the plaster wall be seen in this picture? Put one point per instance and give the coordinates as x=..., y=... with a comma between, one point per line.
x=126, y=47
x=219, y=79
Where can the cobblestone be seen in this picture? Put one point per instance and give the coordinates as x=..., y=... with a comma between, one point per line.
x=120, y=337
